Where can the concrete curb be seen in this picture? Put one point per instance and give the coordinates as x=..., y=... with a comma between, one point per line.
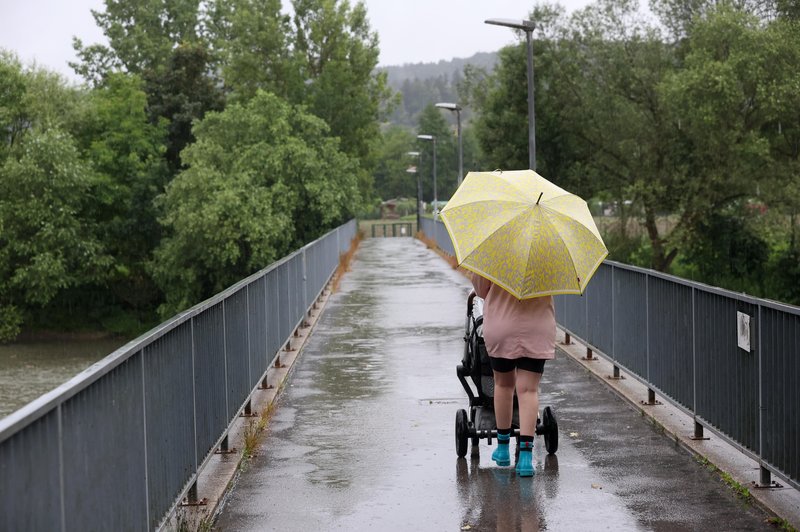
x=783, y=503
x=220, y=474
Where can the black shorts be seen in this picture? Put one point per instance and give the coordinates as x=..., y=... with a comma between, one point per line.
x=504, y=365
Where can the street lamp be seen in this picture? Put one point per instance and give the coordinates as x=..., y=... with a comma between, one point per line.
x=415, y=169
x=457, y=108
x=435, y=197
x=527, y=26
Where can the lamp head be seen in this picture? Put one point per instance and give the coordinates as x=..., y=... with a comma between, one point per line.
x=517, y=24
x=449, y=106
x=425, y=137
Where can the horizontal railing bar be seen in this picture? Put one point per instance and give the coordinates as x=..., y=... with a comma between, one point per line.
x=45, y=403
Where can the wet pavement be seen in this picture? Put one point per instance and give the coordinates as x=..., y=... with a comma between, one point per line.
x=363, y=435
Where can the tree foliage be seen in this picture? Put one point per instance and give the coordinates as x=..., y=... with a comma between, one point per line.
x=126, y=152
x=262, y=177
x=392, y=180
x=48, y=242
x=693, y=132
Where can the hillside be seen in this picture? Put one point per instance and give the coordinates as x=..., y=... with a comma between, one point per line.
x=423, y=83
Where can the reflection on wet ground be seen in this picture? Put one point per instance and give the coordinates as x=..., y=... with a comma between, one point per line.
x=363, y=435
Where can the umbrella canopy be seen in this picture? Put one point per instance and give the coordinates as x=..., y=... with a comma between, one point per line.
x=524, y=233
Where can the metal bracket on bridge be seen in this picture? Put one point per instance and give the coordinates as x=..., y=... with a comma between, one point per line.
x=651, y=398
x=698, y=432
x=248, y=411
x=589, y=355
x=616, y=376
x=265, y=385
x=191, y=498
x=223, y=447
x=765, y=481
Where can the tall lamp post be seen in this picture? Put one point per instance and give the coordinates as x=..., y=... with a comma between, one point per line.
x=435, y=196
x=415, y=169
x=457, y=108
x=527, y=26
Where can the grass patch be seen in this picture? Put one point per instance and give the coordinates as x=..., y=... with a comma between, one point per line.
x=781, y=524
x=741, y=491
x=250, y=440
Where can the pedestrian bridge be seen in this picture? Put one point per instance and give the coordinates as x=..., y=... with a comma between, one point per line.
x=362, y=431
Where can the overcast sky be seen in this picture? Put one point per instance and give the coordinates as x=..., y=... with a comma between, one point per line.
x=410, y=31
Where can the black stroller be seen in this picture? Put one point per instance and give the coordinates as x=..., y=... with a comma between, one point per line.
x=481, y=421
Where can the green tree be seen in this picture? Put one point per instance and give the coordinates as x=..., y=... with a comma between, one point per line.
x=391, y=177
x=717, y=102
x=502, y=100
x=181, y=93
x=141, y=35
x=126, y=153
x=336, y=53
x=12, y=110
x=164, y=42
x=253, y=41
x=262, y=177
x=502, y=123
x=601, y=127
x=433, y=122
x=48, y=242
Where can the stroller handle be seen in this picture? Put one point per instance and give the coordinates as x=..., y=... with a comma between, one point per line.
x=470, y=299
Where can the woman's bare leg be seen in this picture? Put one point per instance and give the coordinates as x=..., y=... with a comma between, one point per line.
x=503, y=398
x=528, y=395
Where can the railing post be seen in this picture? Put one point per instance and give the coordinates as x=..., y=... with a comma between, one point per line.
x=589, y=354
x=224, y=448
x=616, y=376
x=765, y=476
x=191, y=497
x=651, y=398
x=698, y=431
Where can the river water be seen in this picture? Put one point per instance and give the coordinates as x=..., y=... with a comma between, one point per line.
x=30, y=369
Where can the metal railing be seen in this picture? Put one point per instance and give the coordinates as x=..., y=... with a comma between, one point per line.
x=681, y=339
x=392, y=229
x=438, y=232
x=119, y=445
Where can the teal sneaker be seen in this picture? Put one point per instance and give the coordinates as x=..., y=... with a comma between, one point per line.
x=500, y=455
x=525, y=461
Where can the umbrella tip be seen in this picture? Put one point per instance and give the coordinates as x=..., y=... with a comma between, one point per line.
x=540, y=197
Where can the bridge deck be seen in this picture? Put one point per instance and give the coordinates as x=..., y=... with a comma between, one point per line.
x=363, y=435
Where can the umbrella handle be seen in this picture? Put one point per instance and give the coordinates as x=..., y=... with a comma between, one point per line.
x=470, y=299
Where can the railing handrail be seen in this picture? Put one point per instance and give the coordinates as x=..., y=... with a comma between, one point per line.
x=742, y=296
x=686, y=348
x=159, y=405
x=40, y=406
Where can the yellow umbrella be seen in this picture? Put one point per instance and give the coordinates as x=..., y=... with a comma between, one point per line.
x=524, y=233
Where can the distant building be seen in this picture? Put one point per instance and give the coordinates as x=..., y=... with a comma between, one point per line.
x=389, y=209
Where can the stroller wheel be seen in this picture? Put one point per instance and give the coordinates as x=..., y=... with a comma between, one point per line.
x=461, y=433
x=550, y=426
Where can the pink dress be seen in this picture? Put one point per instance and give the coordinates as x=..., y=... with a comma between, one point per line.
x=514, y=328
